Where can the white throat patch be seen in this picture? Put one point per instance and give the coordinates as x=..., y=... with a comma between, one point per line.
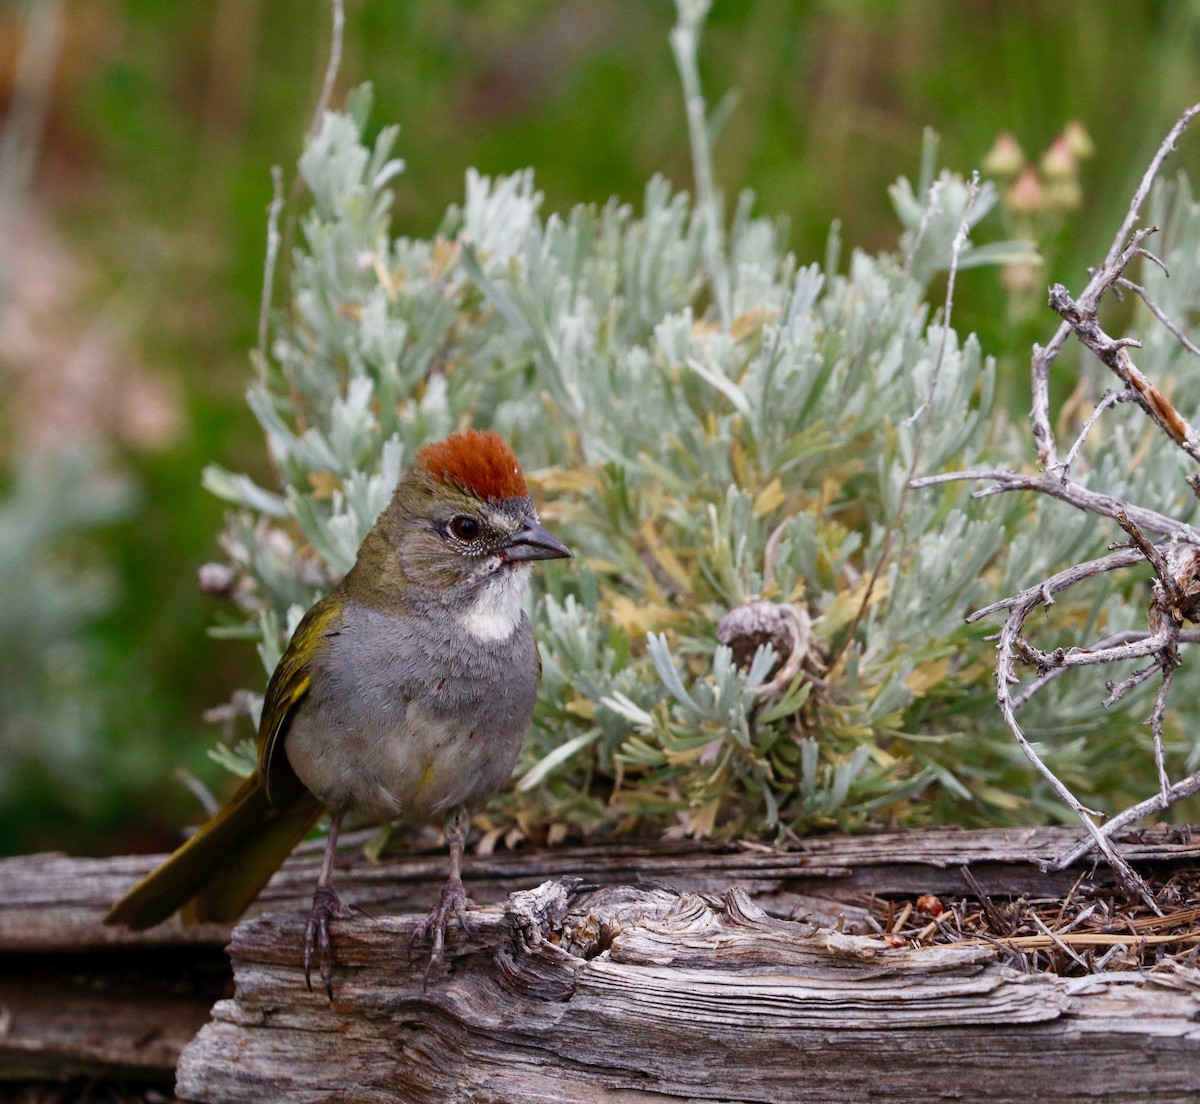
x=495, y=614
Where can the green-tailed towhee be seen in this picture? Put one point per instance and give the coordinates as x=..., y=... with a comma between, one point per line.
x=404, y=694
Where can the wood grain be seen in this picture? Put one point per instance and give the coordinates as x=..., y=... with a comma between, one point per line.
x=628, y=994
x=664, y=982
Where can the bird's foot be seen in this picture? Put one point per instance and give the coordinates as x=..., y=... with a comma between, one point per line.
x=325, y=907
x=453, y=902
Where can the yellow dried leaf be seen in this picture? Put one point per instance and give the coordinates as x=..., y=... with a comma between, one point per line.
x=665, y=556
x=444, y=257
x=640, y=618
x=833, y=486
x=770, y=498
x=385, y=279
x=601, y=566
x=1002, y=799
x=798, y=591
x=844, y=608
x=702, y=821
x=350, y=310
x=927, y=676
x=565, y=481
x=581, y=707
x=737, y=456
x=750, y=322
x=881, y=757
x=685, y=757
x=324, y=484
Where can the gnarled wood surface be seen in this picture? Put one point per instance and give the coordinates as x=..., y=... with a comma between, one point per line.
x=640, y=994
x=51, y=902
x=647, y=979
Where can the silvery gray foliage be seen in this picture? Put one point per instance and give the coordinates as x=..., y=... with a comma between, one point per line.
x=670, y=452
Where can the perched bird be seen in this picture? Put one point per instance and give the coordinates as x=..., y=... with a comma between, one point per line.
x=404, y=694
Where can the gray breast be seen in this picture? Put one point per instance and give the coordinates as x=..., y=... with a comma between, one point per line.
x=406, y=718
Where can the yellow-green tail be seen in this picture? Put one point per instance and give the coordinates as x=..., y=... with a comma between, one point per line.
x=225, y=865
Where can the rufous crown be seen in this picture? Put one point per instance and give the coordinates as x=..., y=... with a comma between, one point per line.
x=478, y=461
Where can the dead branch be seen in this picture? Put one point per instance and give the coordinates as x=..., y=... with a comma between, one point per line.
x=1044, y=357
x=1082, y=498
x=1184, y=788
x=1161, y=315
x=1113, y=352
x=1007, y=651
x=1110, y=399
x=1176, y=592
x=1187, y=636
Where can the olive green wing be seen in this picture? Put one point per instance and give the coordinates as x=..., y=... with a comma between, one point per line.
x=290, y=683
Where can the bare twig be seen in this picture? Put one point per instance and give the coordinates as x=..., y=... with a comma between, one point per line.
x=1161, y=315
x=1184, y=788
x=1117, y=690
x=1082, y=498
x=1044, y=357
x=1157, y=560
x=1156, y=723
x=933, y=204
x=1114, y=561
x=1082, y=319
x=273, y=239
x=1054, y=938
x=921, y=414
x=1006, y=677
x=1111, y=398
x=1186, y=636
x=685, y=44
x=994, y=919
x=1086, y=657
x=332, y=65
x=1143, y=189
x=1161, y=645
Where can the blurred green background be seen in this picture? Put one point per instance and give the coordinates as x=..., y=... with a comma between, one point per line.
x=131, y=269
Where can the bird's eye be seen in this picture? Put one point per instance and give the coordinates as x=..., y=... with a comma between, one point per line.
x=464, y=528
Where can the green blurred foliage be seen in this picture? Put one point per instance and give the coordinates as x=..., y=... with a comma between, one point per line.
x=166, y=119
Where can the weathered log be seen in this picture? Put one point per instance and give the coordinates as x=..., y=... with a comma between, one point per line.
x=639, y=994
x=51, y=902
x=76, y=997
x=83, y=1017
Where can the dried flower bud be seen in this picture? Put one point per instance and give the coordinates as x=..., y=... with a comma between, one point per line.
x=1021, y=279
x=786, y=628
x=1078, y=141
x=1064, y=195
x=1059, y=161
x=217, y=580
x=1005, y=159
x=1026, y=195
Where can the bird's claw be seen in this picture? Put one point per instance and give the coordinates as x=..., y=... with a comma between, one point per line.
x=326, y=905
x=453, y=902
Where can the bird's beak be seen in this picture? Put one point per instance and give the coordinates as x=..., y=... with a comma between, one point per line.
x=532, y=542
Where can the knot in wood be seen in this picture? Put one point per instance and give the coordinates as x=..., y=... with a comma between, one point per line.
x=1062, y=303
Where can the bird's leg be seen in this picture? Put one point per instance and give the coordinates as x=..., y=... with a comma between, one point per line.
x=454, y=899
x=325, y=906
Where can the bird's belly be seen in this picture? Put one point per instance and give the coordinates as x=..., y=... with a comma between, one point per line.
x=405, y=723
x=414, y=771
